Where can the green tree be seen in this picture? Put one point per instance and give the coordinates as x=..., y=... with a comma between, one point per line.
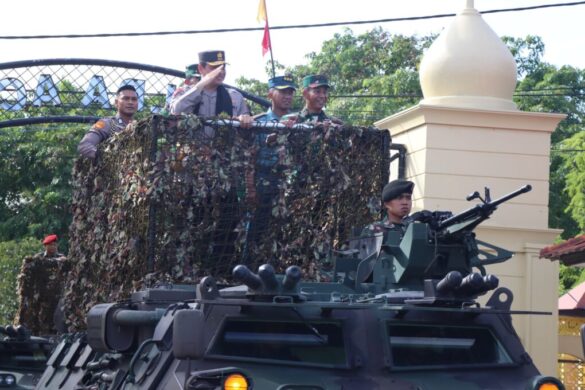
x=361, y=68
x=11, y=255
x=573, y=163
x=546, y=88
x=371, y=64
x=35, y=169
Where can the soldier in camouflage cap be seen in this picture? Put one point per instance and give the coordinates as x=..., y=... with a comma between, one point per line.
x=127, y=104
x=316, y=93
x=397, y=202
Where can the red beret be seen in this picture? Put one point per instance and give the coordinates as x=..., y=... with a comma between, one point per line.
x=49, y=239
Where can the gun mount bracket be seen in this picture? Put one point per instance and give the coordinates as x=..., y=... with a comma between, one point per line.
x=501, y=299
x=207, y=289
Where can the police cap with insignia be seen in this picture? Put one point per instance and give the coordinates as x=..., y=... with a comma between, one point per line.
x=282, y=82
x=396, y=188
x=315, y=80
x=212, y=57
x=49, y=239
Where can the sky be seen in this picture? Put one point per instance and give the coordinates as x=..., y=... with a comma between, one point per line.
x=562, y=28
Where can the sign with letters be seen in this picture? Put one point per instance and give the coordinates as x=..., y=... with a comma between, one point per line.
x=81, y=87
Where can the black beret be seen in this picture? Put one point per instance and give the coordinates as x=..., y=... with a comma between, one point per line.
x=396, y=188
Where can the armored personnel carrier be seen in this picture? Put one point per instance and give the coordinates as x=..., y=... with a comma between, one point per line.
x=400, y=312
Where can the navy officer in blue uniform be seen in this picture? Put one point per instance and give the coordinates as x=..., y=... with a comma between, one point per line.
x=281, y=91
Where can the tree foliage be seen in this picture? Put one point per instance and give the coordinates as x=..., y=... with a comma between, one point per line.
x=573, y=163
x=373, y=63
x=546, y=88
x=34, y=180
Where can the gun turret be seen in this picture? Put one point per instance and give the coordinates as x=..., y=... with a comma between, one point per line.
x=439, y=247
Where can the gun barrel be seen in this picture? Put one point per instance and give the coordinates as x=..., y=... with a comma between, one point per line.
x=482, y=211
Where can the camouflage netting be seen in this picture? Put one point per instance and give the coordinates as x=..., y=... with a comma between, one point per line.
x=40, y=285
x=162, y=204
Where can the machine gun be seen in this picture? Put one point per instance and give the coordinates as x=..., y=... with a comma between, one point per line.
x=470, y=218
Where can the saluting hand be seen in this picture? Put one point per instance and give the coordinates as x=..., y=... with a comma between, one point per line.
x=209, y=78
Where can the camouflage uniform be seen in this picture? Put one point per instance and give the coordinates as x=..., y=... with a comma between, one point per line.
x=305, y=116
x=99, y=132
x=382, y=226
x=40, y=286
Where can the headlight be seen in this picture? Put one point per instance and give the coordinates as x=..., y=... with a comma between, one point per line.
x=7, y=380
x=546, y=383
x=235, y=382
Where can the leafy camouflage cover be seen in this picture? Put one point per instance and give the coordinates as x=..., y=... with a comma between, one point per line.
x=161, y=203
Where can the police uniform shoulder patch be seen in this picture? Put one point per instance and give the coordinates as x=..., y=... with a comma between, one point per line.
x=99, y=124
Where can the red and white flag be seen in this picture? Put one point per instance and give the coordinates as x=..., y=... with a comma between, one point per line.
x=263, y=16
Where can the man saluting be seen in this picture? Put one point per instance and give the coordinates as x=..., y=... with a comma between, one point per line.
x=209, y=97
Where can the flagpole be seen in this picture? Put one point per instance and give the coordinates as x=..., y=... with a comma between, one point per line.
x=271, y=58
x=269, y=41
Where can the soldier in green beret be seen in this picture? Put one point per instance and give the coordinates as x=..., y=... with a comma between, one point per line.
x=316, y=93
x=397, y=202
